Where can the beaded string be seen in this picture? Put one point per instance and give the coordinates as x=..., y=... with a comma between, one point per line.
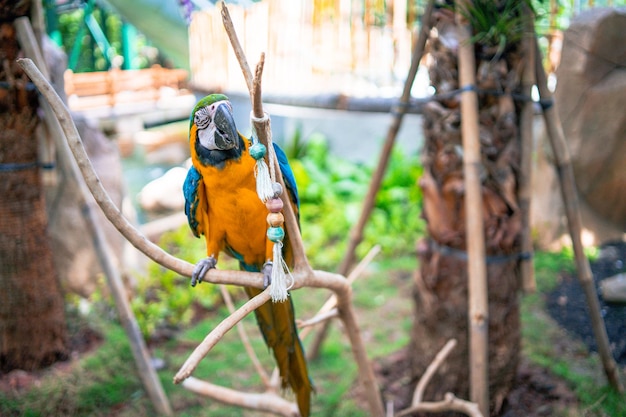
x=269, y=191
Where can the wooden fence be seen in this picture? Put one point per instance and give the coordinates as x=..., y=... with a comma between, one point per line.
x=109, y=88
x=308, y=50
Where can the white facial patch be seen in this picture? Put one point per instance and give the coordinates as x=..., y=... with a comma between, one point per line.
x=206, y=136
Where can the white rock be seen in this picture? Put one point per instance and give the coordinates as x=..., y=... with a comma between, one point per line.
x=164, y=193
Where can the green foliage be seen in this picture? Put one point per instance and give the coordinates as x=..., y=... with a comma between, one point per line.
x=550, y=265
x=496, y=24
x=70, y=26
x=165, y=299
x=332, y=191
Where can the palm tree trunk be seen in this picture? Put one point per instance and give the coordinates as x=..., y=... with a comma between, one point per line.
x=441, y=291
x=33, y=330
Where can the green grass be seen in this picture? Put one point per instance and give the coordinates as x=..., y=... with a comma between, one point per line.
x=105, y=383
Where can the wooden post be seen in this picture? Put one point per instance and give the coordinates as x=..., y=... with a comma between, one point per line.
x=525, y=177
x=478, y=313
x=570, y=200
x=147, y=374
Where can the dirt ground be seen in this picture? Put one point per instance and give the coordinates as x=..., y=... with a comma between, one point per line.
x=537, y=393
x=568, y=306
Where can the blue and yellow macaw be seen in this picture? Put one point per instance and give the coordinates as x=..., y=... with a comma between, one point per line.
x=221, y=203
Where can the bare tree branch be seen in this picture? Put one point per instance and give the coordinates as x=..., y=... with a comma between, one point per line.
x=237, y=49
x=110, y=210
x=319, y=318
x=217, y=333
x=430, y=371
x=245, y=340
x=331, y=303
x=267, y=401
x=449, y=403
x=303, y=274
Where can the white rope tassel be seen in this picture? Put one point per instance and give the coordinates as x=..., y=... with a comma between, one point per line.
x=261, y=171
x=263, y=181
x=280, y=276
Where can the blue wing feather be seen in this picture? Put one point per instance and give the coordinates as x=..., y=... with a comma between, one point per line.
x=192, y=200
x=285, y=169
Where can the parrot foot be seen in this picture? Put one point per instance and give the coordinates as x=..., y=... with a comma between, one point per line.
x=202, y=268
x=267, y=274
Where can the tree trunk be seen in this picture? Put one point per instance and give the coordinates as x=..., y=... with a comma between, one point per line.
x=33, y=331
x=441, y=282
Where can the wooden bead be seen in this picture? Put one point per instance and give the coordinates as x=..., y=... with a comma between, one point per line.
x=257, y=151
x=277, y=188
x=274, y=205
x=275, y=234
x=275, y=219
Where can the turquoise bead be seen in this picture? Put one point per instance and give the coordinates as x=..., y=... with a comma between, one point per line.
x=275, y=234
x=257, y=151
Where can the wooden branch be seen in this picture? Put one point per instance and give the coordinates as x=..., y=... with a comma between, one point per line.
x=318, y=318
x=146, y=372
x=139, y=350
x=331, y=303
x=574, y=223
x=256, y=93
x=217, y=333
x=449, y=403
x=245, y=339
x=430, y=371
x=237, y=49
x=268, y=401
x=304, y=275
x=109, y=208
x=263, y=130
x=478, y=310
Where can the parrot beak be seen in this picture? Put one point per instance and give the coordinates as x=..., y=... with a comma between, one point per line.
x=226, y=136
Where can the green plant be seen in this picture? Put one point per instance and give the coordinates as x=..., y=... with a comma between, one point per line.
x=497, y=24
x=332, y=191
x=164, y=298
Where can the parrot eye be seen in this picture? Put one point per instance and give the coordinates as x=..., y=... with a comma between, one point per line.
x=202, y=118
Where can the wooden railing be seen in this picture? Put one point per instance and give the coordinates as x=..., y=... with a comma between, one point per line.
x=109, y=88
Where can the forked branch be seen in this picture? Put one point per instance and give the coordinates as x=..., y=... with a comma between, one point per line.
x=450, y=401
x=304, y=275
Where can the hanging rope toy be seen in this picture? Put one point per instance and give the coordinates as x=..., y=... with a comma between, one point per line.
x=269, y=192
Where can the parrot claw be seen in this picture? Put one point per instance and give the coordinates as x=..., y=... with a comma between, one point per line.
x=202, y=268
x=267, y=274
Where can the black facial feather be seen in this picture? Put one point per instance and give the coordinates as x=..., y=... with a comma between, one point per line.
x=217, y=158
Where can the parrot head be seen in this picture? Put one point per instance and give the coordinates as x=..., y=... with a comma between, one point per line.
x=213, y=132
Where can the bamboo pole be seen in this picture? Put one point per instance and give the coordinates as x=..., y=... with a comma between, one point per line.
x=570, y=200
x=147, y=374
x=398, y=112
x=524, y=192
x=478, y=313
